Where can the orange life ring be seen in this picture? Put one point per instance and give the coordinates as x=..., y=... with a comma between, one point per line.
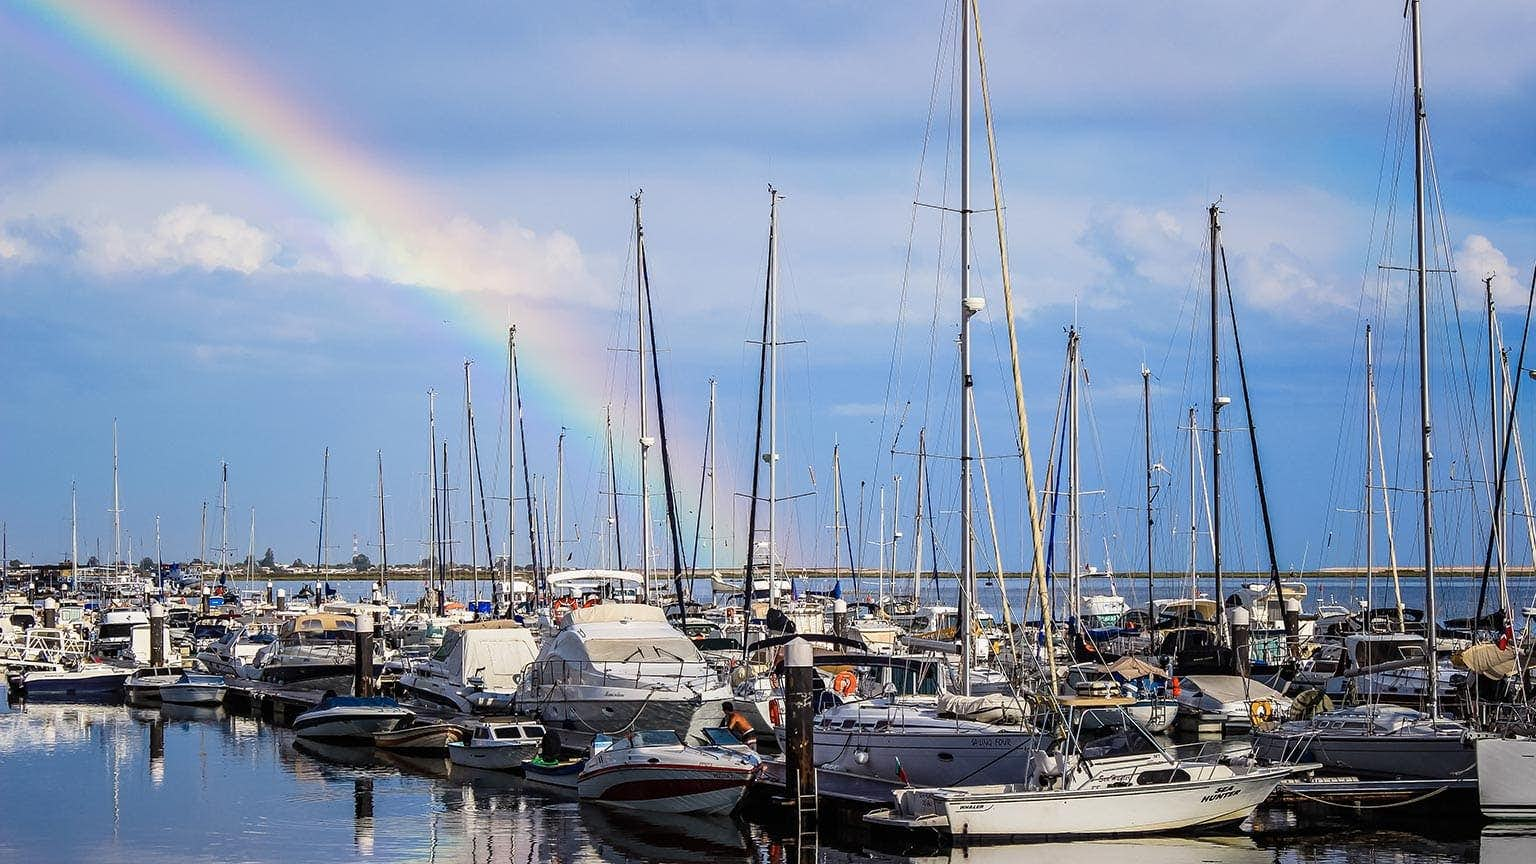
x=846, y=683
x=590, y=602
x=564, y=604
x=775, y=716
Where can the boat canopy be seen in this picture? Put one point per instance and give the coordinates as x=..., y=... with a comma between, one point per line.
x=608, y=612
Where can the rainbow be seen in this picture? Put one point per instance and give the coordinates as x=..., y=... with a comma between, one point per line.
x=206, y=87
x=407, y=232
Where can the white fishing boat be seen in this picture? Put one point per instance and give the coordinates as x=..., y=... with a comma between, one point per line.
x=497, y=746
x=1506, y=777
x=350, y=718
x=655, y=771
x=194, y=688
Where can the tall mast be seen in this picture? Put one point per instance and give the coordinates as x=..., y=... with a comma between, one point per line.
x=1496, y=427
x=250, y=557
x=511, y=460
x=383, y=535
x=880, y=571
x=645, y=439
x=1216, y=405
x=117, y=507
x=1074, y=479
x=1146, y=417
x=968, y=306
x=159, y=559
x=1431, y=635
x=613, y=491
x=469, y=484
x=772, y=456
x=712, y=484
x=202, y=550
x=1370, y=455
x=435, y=555
x=837, y=513
x=74, y=537
x=325, y=491
x=1194, y=511
x=558, y=554
x=224, y=517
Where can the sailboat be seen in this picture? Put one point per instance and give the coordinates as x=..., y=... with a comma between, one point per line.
x=1388, y=741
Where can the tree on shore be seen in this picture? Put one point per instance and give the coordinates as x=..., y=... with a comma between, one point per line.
x=360, y=562
x=269, y=559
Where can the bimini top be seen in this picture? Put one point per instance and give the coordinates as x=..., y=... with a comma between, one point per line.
x=320, y=622
x=606, y=612
x=594, y=576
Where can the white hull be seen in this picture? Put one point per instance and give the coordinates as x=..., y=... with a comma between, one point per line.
x=664, y=788
x=349, y=723
x=995, y=812
x=612, y=711
x=493, y=757
x=1506, y=777
x=192, y=694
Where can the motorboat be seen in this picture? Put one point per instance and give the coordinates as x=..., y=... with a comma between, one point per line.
x=313, y=652
x=655, y=771
x=1108, y=777
x=350, y=718
x=1376, y=741
x=497, y=746
x=194, y=688
x=124, y=635
x=85, y=682
x=236, y=651
x=425, y=738
x=557, y=773
x=142, y=687
x=477, y=667
x=616, y=667
x=1155, y=707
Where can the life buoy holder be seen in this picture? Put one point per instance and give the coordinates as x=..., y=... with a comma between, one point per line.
x=1260, y=711
x=846, y=683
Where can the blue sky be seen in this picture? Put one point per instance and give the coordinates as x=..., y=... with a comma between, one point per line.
x=143, y=276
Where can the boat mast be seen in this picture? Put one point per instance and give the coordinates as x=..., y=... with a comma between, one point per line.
x=434, y=554
x=968, y=306
x=250, y=557
x=469, y=485
x=837, y=513
x=74, y=537
x=512, y=462
x=613, y=490
x=772, y=456
x=645, y=440
x=1370, y=455
x=159, y=559
x=1217, y=401
x=1194, y=510
x=1074, y=479
x=1146, y=416
x=712, y=481
x=1496, y=427
x=224, y=518
x=325, y=490
x=559, y=533
x=1431, y=635
x=383, y=535
x=117, y=507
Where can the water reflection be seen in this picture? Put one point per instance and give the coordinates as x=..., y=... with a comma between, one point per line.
x=105, y=784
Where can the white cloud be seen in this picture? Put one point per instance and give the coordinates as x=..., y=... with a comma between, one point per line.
x=188, y=237
x=1279, y=280
x=857, y=409
x=1476, y=260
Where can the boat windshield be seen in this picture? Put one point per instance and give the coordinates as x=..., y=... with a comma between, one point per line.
x=668, y=649
x=650, y=738
x=1106, y=732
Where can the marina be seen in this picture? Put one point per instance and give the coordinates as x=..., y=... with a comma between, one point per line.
x=853, y=605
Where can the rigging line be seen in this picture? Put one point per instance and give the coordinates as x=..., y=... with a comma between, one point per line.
x=894, y=364
x=1498, y=493
x=666, y=451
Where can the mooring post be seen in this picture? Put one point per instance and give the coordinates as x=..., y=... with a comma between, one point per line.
x=840, y=617
x=207, y=593
x=362, y=656
x=156, y=634
x=799, y=766
x=50, y=612
x=1238, y=617
x=1293, y=626
x=282, y=599
x=271, y=597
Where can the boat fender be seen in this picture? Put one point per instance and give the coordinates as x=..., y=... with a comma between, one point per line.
x=1176, y=687
x=775, y=715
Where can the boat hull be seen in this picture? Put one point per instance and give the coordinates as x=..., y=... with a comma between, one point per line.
x=1386, y=756
x=1127, y=810
x=433, y=739
x=580, y=708
x=498, y=757
x=1506, y=778
x=192, y=694
x=90, y=685
x=348, y=725
x=559, y=775
x=664, y=788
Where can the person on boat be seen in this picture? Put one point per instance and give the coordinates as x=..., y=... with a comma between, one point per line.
x=739, y=726
x=549, y=747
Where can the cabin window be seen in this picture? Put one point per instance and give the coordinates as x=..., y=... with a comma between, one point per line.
x=509, y=732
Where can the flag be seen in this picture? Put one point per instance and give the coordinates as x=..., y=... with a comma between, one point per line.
x=837, y=590
x=901, y=773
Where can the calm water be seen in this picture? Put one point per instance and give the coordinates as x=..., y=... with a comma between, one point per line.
x=109, y=783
